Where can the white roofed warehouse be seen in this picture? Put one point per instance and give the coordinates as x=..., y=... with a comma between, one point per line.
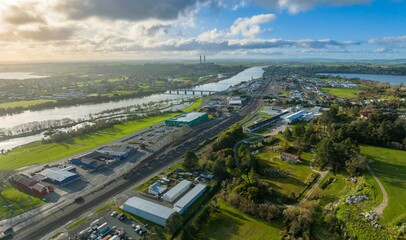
x=148, y=210
x=186, y=201
x=188, y=119
x=176, y=191
x=59, y=176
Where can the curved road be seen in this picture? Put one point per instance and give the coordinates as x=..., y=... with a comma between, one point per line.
x=379, y=209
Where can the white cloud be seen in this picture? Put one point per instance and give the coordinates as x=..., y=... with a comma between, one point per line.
x=242, y=27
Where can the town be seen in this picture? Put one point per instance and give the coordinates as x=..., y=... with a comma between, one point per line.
x=255, y=145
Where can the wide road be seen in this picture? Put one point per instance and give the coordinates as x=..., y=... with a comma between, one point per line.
x=144, y=170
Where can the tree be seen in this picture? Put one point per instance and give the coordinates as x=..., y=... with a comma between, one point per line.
x=173, y=223
x=324, y=152
x=298, y=130
x=355, y=164
x=287, y=133
x=191, y=161
x=219, y=169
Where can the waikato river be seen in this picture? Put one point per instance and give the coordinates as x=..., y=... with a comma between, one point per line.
x=83, y=111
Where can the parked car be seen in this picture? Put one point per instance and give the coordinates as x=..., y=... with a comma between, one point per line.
x=114, y=214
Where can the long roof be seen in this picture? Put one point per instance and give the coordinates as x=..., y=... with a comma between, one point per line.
x=57, y=174
x=188, y=117
x=179, y=187
x=190, y=195
x=150, y=207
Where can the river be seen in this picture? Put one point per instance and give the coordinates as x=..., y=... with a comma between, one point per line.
x=19, y=75
x=83, y=111
x=392, y=79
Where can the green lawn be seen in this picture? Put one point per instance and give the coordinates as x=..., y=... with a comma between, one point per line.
x=298, y=173
x=343, y=92
x=231, y=224
x=390, y=167
x=23, y=104
x=14, y=202
x=195, y=105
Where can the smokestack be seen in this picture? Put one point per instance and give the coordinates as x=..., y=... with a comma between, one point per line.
x=204, y=58
x=200, y=58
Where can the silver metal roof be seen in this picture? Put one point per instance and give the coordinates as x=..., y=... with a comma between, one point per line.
x=56, y=174
x=150, y=207
x=190, y=195
x=178, y=188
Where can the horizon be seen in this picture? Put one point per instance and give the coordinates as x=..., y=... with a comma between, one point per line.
x=73, y=30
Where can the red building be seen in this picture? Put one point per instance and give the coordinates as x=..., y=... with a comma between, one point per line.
x=29, y=185
x=290, y=157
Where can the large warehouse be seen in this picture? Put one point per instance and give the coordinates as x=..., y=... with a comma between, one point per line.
x=176, y=191
x=182, y=204
x=59, y=176
x=188, y=119
x=148, y=210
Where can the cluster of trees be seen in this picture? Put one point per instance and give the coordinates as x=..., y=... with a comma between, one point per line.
x=61, y=136
x=263, y=211
x=192, y=230
x=337, y=154
x=228, y=138
x=298, y=221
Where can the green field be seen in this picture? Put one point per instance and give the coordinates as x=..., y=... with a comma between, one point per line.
x=14, y=202
x=298, y=173
x=343, y=92
x=230, y=224
x=23, y=104
x=38, y=153
x=390, y=167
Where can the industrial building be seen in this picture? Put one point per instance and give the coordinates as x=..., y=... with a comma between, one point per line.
x=188, y=119
x=93, y=161
x=59, y=176
x=156, y=189
x=148, y=210
x=26, y=183
x=116, y=151
x=294, y=117
x=235, y=101
x=176, y=191
x=184, y=203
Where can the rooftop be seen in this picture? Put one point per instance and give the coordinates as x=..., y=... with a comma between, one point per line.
x=188, y=117
x=57, y=174
x=175, y=190
x=150, y=207
x=190, y=195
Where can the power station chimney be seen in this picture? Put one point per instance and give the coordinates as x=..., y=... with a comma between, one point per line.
x=200, y=58
x=204, y=58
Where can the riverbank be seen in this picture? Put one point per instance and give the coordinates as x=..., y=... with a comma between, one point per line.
x=40, y=153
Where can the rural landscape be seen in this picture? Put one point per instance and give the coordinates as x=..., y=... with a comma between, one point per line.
x=202, y=120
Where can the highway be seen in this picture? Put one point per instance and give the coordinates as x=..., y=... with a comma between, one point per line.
x=145, y=169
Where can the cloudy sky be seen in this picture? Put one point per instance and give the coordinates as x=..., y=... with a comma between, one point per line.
x=47, y=30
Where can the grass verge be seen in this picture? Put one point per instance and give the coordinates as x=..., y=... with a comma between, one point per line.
x=77, y=223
